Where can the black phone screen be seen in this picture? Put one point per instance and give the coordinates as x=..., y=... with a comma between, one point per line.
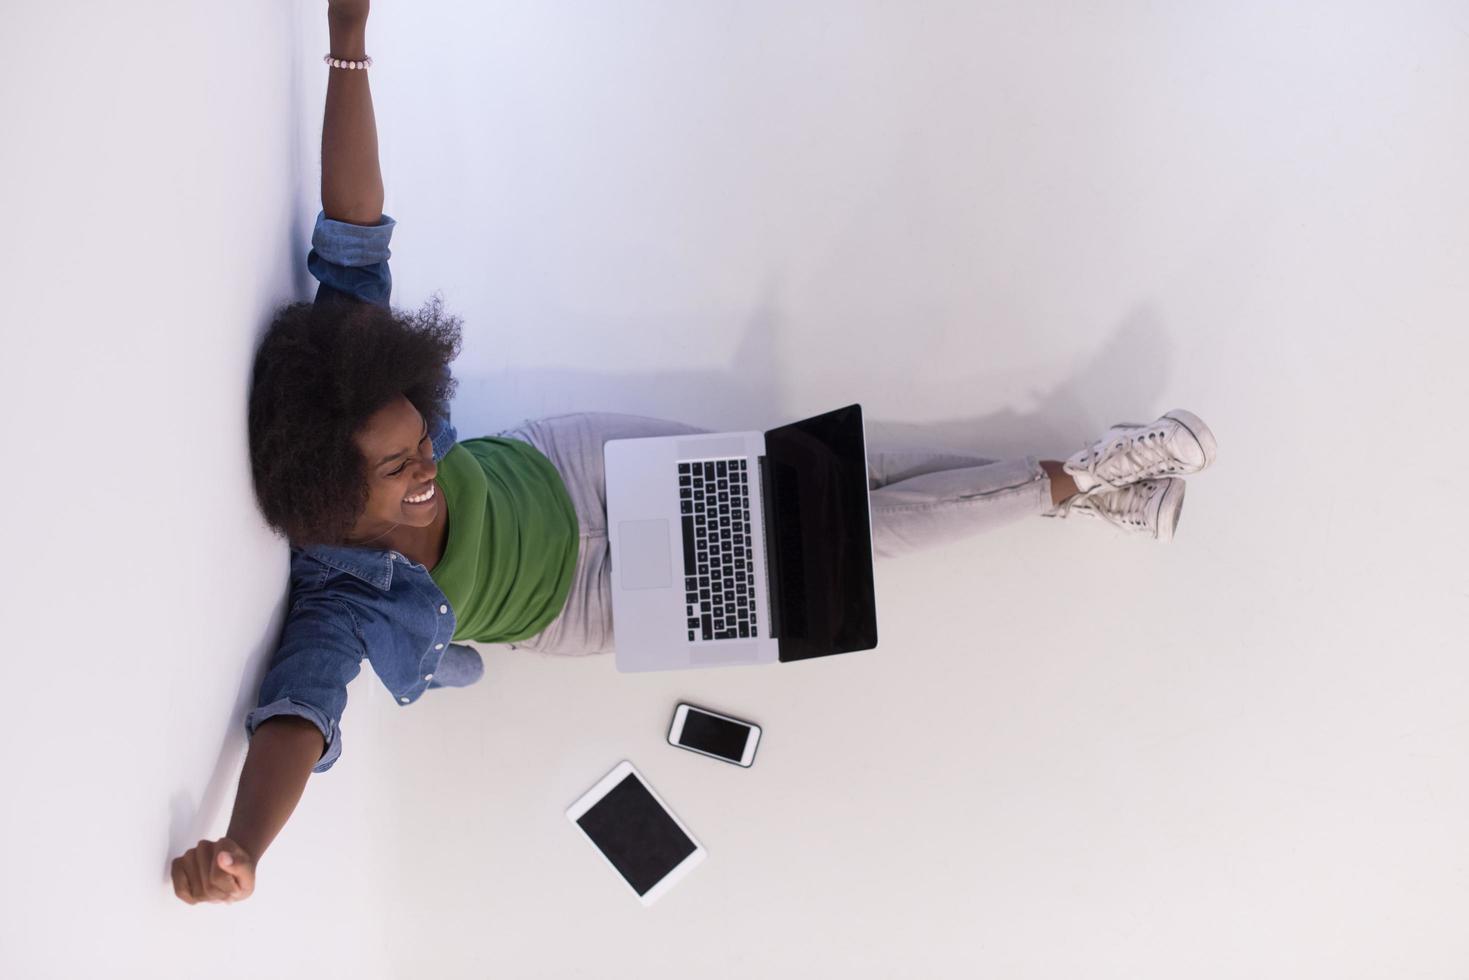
x=716, y=736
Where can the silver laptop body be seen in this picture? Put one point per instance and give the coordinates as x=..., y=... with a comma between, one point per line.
x=652, y=615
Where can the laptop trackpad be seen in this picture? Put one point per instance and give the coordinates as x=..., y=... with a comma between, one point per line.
x=642, y=553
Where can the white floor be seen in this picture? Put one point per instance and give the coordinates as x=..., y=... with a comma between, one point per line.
x=1001, y=227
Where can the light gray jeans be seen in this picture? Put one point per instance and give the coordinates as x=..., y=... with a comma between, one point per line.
x=919, y=498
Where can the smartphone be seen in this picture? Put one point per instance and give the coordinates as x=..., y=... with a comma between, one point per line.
x=717, y=736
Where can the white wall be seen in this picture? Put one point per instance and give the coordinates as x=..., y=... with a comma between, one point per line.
x=998, y=227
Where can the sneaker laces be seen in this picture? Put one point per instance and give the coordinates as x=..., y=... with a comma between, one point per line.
x=1130, y=504
x=1145, y=450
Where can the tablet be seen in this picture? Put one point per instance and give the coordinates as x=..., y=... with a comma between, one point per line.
x=636, y=834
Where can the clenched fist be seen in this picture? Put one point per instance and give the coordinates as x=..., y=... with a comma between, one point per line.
x=214, y=872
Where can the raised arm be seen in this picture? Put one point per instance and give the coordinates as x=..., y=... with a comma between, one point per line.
x=351, y=181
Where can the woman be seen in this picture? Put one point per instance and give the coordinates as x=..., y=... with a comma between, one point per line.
x=356, y=463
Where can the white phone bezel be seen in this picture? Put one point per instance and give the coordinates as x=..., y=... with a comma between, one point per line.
x=675, y=731
x=604, y=786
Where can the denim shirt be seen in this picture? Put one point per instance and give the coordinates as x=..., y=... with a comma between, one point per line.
x=348, y=603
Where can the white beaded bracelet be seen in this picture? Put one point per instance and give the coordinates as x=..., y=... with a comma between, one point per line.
x=364, y=64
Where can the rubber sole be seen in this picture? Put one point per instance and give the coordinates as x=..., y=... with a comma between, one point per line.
x=1201, y=433
x=1170, y=506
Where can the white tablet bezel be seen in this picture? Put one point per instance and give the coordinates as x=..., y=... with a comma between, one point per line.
x=604, y=786
x=675, y=732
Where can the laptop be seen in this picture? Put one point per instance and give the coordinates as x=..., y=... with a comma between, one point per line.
x=735, y=548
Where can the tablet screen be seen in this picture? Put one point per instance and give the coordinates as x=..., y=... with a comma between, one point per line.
x=636, y=834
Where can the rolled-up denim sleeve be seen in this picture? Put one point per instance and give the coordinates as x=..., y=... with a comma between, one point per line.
x=351, y=260
x=319, y=654
x=442, y=434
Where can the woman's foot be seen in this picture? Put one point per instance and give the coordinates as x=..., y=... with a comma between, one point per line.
x=1147, y=507
x=1177, y=444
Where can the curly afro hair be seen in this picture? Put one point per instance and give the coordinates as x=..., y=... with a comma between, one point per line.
x=320, y=373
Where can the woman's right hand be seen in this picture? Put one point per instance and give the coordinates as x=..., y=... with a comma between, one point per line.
x=218, y=871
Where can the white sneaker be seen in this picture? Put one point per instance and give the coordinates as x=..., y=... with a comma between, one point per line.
x=1177, y=444
x=1148, y=506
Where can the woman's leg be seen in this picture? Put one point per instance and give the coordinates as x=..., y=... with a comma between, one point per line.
x=1063, y=484
x=923, y=498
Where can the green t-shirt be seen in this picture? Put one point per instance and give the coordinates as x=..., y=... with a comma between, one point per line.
x=512, y=543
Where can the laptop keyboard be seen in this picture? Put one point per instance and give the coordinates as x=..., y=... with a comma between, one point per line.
x=719, y=583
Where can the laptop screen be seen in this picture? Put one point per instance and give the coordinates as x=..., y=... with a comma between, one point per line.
x=821, y=547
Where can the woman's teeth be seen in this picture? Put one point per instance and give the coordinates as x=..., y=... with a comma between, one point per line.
x=423, y=498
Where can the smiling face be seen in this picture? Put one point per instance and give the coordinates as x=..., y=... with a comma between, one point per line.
x=400, y=464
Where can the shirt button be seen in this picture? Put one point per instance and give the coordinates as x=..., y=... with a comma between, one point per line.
x=428, y=677
x=404, y=700
x=443, y=609
x=438, y=646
